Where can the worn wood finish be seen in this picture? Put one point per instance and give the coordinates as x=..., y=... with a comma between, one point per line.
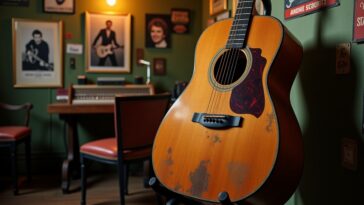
x=259, y=162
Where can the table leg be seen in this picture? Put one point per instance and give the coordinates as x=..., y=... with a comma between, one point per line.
x=72, y=162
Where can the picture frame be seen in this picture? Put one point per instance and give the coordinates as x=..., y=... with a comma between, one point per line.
x=108, y=53
x=157, y=31
x=180, y=19
x=59, y=6
x=217, y=6
x=159, y=66
x=37, y=53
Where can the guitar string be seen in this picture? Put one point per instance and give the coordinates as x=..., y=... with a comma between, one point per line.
x=215, y=94
x=225, y=64
x=231, y=65
x=246, y=27
x=224, y=68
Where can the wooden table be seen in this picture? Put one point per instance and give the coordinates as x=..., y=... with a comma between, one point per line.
x=69, y=113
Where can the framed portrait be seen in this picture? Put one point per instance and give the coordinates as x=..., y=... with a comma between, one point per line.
x=159, y=66
x=158, y=31
x=59, y=6
x=180, y=19
x=108, y=43
x=37, y=53
x=217, y=6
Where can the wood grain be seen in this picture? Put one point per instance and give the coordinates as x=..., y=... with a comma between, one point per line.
x=199, y=162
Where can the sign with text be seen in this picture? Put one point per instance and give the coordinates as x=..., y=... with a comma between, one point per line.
x=358, y=34
x=295, y=8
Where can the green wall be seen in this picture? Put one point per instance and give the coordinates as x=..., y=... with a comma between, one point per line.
x=48, y=132
x=329, y=107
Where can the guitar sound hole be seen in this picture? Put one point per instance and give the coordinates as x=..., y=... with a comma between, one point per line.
x=230, y=66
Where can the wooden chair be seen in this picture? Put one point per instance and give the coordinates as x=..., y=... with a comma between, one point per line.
x=13, y=135
x=137, y=119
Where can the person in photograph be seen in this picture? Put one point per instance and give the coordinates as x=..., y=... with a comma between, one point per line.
x=158, y=30
x=108, y=43
x=37, y=54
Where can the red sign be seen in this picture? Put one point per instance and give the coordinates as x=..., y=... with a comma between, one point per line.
x=358, y=34
x=295, y=8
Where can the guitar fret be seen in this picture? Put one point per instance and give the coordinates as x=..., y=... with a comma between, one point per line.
x=240, y=35
x=240, y=25
x=238, y=39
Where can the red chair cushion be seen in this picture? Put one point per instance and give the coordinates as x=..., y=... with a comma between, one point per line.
x=13, y=133
x=107, y=149
x=104, y=148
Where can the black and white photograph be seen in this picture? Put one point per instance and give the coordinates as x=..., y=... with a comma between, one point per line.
x=37, y=53
x=158, y=31
x=108, y=42
x=59, y=6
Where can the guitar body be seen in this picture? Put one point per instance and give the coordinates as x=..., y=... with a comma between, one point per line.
x=103, y=51
x=258, y=161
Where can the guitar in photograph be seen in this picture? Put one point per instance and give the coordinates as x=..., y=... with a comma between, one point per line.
x=104, y=50
x=33, y=58
x=233, y=133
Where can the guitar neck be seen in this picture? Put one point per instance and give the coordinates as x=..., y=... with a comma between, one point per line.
x=240, y=27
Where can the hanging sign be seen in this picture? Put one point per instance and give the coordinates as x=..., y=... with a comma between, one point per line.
x=295, y=8
x=358, y=34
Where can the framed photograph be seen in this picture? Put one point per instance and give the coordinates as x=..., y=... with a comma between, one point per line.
x=108, y=43
x=158, y=31
x=159, y=66
x=59, y=6
x=217, y=6
x=180, y=19
x=37, y=53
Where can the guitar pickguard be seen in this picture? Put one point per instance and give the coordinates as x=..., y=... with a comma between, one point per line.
x=248, y=96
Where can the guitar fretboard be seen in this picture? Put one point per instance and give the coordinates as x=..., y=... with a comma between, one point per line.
x=240, y=26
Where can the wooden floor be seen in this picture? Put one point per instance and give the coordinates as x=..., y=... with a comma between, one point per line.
x=102, y=190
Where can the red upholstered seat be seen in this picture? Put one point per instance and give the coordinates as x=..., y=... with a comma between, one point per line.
x=104, y=148
x=107, y=148
x=137, y=119
x=13, y=133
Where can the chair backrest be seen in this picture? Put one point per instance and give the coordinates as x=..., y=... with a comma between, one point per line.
x=25, y=107
x=137, y=119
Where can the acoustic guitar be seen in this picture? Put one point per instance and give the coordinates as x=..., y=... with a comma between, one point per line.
x=103, y=51
x=233, y=131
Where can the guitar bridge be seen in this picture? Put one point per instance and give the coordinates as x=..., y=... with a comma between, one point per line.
x=217, y=121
